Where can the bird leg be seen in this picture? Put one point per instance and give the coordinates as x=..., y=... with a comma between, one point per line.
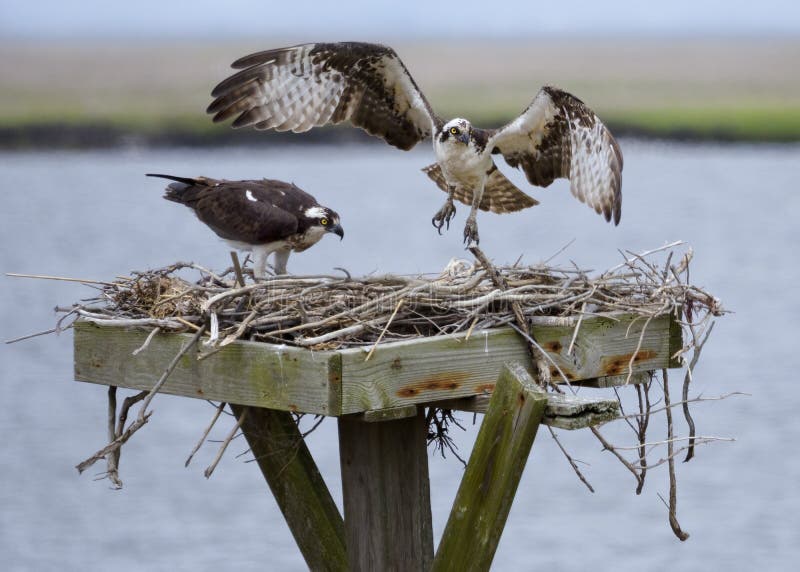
x=260, y=262
x=281, y=258
x=471, y=231
x=446, y=213
x=471, y=226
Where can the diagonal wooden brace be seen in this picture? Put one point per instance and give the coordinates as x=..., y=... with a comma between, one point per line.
x=298, y=487
x=493, y=473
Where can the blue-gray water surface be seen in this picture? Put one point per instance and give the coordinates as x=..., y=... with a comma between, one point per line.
x=95, y=215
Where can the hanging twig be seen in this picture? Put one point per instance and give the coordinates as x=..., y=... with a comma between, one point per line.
x=202, y=440
x=210, y=469
x=168, y=371
x=115, y=444
x=112, y=459
x=673, y=486
x=570, y=460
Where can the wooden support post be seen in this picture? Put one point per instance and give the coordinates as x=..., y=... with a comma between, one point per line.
x=297, y=485
x=494, y=470
x=387, y=507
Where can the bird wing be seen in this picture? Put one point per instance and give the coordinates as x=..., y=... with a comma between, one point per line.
x=252, y=212
x=310, y=85
x=557, y=136
x=499, y=194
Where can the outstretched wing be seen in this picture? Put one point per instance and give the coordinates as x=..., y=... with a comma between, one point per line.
x=499, y=194
x=309, y=85
x=558, y=136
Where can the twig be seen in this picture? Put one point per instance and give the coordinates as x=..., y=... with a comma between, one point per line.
x=202, y=440
x=146, y=343
x=59, y=278
x=29, y=336
x=611, y=449
x=673, y=487
x=388, y=323
x=699, y=399
x=115, y=444
x=704, y=438
x=112, y=459
x=570, y=459
x=575, y=332
x=237, y=268
x=698, y=348
x=537, y=354
x=168, y=371
x=127, y=403
x=210, y=469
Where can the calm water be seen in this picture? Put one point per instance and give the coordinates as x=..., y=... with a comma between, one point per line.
x=94, y=215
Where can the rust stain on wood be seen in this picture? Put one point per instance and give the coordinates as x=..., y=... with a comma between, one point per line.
x=556, y=375
x=617, y=365
x=435, y=382
x=554, y=346
x=485, y=388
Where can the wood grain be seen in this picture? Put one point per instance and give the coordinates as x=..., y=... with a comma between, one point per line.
x=493, y=473
x=245, y=373
x=297, y=485
x=387, y=507
x=444, y=367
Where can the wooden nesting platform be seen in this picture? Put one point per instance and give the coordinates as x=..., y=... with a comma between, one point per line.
x=397, y=375
x=382, y=428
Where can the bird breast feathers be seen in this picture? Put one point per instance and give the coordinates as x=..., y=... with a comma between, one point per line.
x=462, y=164
x=309, y=238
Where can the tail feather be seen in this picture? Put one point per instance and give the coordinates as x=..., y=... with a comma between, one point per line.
x=499, y=194
x=186, y=180
x=176, y=191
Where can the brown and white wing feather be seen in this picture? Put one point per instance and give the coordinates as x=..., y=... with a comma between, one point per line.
x=300, y=87
x=499, y=194
x=251, y=212
x=557, y=136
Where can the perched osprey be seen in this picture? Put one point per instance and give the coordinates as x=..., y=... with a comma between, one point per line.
x=263, y=216
x=304, y=86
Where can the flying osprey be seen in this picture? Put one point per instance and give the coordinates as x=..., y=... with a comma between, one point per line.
x=263, y=216
x=309, y=85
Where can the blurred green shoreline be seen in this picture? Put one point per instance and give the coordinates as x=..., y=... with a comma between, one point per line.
x=751, y=125
x=90, y=95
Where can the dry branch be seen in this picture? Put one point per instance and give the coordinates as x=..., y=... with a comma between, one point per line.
x=334, y=312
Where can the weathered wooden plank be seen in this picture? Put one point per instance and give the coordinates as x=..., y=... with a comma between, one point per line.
x=390, y=414
x=246, y=373
x=387, y=507
x=298, y=487
x=562, y=411
x=398, y=374
x=492, y=475
x=443, y=367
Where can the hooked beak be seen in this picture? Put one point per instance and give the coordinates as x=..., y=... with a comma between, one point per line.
x=464, y=138
x=337, y=230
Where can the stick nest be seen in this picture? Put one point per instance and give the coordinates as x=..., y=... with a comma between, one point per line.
x=334, y=312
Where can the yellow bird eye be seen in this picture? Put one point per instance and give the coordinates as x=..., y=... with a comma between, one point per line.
x=323, y=221
x=454, y=130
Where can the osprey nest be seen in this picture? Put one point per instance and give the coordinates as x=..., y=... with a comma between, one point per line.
x=338, y=312
x=335, y=312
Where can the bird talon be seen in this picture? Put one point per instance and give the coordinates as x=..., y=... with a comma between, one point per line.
x=471, y=233
x=443, y=217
